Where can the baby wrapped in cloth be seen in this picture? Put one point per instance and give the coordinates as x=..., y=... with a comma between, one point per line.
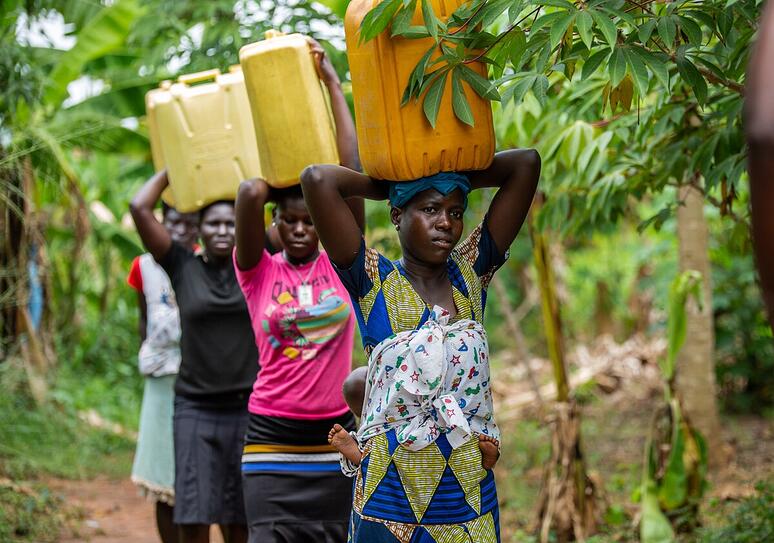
x=426, y=382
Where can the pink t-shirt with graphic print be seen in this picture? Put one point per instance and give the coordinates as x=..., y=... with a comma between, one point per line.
x=305, y=351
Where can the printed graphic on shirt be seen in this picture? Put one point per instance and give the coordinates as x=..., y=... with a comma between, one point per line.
x=306, y=328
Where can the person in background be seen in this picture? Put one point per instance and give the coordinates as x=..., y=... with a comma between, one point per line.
x=427, y=435
x=153, y=470
x=304, y=327
x=217, y=368
x=759, y=125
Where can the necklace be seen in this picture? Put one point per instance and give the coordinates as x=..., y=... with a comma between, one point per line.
x=305, y=293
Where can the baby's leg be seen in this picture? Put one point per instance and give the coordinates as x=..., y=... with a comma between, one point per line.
x=490, y=450
x=354, y=389
x=345, y=444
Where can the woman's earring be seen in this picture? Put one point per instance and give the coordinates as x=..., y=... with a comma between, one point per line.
x=397, y=227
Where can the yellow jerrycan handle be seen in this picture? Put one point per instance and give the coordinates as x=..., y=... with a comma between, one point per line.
x=272, y=33
x=198, y=77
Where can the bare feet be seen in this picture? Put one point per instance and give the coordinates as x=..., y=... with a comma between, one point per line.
x=490, y=450
x=345, y=444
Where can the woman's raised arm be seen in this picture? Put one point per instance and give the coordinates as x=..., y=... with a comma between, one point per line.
x=327, y=189
x=346, y=135
x=515, y=173
x=250, y=228
x=154, y=236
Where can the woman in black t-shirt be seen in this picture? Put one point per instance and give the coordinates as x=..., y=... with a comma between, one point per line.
x=217, y=370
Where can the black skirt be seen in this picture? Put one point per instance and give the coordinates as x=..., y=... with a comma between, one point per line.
x=208, y=484
x=294, y=490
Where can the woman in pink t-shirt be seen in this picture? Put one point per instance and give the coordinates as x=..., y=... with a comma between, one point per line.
x=304, y=326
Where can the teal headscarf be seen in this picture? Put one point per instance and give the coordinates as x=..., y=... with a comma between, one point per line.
x=445, y=182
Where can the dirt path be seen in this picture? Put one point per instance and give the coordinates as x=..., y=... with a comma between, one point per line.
x=110, y=512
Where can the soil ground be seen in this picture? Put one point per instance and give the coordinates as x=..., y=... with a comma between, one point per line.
x=109, y=511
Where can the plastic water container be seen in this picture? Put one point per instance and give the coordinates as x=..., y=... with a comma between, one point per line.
x=291, y=110
x=201, y=130
x=398, y=143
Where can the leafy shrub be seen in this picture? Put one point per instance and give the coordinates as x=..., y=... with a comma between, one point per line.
x=744, y=346
x=28, y=515
x=751, y=522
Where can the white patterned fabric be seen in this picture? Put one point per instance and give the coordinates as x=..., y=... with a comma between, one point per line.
x=430, y=381
x=160, y=352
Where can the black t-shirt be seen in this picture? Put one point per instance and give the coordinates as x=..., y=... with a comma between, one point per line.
x=219, y=357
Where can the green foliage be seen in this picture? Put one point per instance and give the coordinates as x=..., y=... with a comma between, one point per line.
x=103, y=34
x=743, y=338
x=673, y=477
x=686, y=285
x=51, y=440
x=752, y=521
x=29, y=515
x=657, y=86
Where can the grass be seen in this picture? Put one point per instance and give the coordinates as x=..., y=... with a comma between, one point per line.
x=51, y=440
x=40, y=442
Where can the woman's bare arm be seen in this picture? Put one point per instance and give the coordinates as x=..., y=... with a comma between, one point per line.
x=250, y=227
x=154, y=236
x=515, y=173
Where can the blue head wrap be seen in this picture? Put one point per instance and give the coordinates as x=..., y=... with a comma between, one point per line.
x=445, y=182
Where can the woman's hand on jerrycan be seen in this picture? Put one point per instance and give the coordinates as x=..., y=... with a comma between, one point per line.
x=323, y=64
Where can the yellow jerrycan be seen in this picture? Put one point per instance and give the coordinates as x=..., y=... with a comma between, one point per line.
x=398, y=143
x=293, y=123
x=153, y=135
x=200, y=129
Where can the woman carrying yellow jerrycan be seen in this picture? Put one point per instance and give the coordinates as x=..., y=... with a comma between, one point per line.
x=422, y=458
x=218, y=366
x=294, y=491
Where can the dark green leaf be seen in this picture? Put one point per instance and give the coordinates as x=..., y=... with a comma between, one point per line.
x=559, y=28
x=480, y=84
x=460, y=103
x=667, y=30
x=625, y=17
x=606, y=26
x=692, y=77
x=415, y=32
x=584, y=23
x=431, y=21
x=712, y=67
x=593, y=62
x=402, y=20
x=725, y=22
x=657, y=65
x=517, y=91
x=703, y=18
x=432, y=101
x=415, y=79
x=540, y=88
x=376, y=20
x=617, y=67
x=646, y=31
x=691, y=30
x=516, y=45
x=638, y=71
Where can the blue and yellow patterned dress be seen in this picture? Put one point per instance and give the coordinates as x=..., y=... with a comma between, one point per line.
x=437, y=494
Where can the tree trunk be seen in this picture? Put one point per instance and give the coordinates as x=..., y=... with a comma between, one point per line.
x=695, y=372
x=568, y=505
